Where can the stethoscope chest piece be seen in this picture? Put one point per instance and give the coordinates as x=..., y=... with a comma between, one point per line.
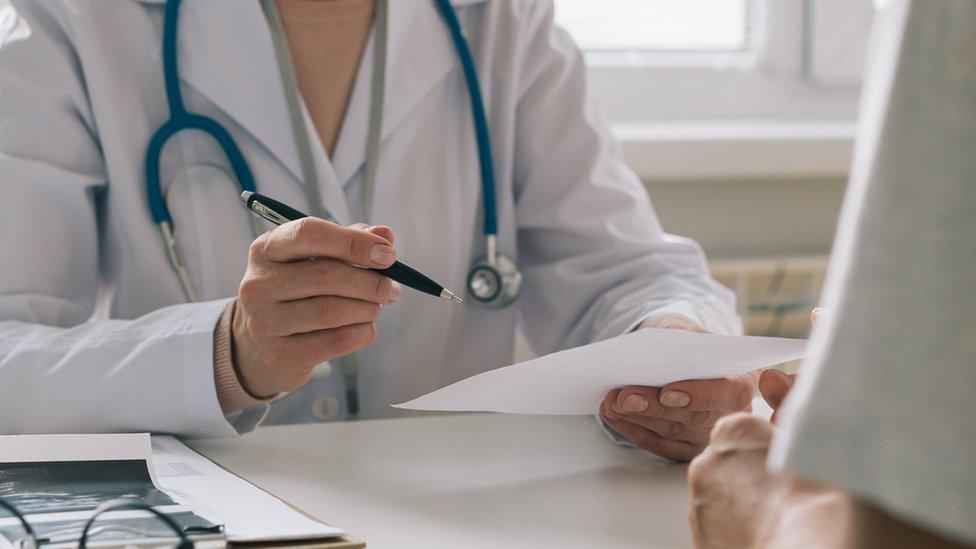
x=494, y=284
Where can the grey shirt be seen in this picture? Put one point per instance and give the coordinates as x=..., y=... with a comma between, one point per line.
x=886, y=406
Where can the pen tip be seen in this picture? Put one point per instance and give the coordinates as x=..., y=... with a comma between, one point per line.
x=449, y=295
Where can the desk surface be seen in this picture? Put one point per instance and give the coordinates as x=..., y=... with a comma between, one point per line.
x=468, y=481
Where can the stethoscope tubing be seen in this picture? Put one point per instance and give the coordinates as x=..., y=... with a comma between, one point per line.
x=482, y=134
x=180, y=119
x=188, y=121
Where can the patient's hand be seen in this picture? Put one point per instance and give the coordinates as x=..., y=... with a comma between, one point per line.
x=736, y=502
x=674, y=421
x=731, y=492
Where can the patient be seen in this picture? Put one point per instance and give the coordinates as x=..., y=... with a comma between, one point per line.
x=876, y=444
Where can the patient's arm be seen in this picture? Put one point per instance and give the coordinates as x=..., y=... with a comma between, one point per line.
x=737, y=502
x=831, y=518
x=871, y=527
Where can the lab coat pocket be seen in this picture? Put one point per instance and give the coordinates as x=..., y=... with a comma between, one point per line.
x=212, y=227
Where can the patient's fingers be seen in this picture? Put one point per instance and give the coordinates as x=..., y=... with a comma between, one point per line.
x=742, y=429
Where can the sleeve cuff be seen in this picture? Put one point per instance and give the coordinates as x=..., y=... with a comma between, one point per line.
x=233, y=397
x=678, y=307
x=614, y=436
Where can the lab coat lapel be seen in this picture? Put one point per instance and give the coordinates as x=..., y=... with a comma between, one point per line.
x=419, y=55
x=226, y=52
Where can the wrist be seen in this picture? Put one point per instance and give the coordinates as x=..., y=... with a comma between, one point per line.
x=243, y=361
x=231, y=394
x=804, y=515
x=670, y=320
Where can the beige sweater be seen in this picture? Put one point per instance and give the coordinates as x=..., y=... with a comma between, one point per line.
x=326, y=39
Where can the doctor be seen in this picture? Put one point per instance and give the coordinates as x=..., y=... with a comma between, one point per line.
x=363, y=113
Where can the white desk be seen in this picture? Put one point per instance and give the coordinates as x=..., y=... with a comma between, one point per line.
x=468, y=481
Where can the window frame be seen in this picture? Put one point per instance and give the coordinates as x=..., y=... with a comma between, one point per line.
x=763, y=103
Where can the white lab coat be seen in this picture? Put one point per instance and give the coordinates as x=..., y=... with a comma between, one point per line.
x=94, y=332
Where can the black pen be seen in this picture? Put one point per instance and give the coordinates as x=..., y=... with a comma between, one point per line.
x=279, y=214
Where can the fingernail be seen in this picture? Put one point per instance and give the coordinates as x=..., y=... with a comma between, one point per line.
x=675, y=399
x=382, y=254
x=396, y=290
x=634, y=403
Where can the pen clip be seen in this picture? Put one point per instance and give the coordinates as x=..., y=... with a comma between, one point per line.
x=267, y=213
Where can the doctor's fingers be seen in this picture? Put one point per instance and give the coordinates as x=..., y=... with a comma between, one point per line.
x=730, y=394
x=317, y=347
x=646, y=401
x=696, y=433
x=774, y=386
x=672, y=430
x=378, y=230
x=311, y=237
x=678, y=450
x=313, y=314
x=311, y=278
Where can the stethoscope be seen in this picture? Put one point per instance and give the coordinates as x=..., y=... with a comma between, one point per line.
x=493, y=280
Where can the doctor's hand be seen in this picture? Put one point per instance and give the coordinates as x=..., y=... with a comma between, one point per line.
x=305, y=300
x=775, y=385
x=675, y=421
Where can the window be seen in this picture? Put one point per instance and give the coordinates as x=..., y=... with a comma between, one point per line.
x=657, y=25
x=738, y=87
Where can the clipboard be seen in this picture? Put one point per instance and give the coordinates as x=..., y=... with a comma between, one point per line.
x=341, y=542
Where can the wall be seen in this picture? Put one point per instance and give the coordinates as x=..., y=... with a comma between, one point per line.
x=734, y=219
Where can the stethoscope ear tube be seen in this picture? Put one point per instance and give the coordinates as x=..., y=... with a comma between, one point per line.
x=478, y=113
x=180, y=120
x=494, y=266
x=495, y=281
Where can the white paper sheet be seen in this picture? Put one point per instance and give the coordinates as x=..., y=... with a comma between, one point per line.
x=574, y=382
x=247, y=512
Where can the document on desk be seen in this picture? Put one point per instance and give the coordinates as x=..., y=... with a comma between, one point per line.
x=248, y=513
x=574, y=382
x=58, y=481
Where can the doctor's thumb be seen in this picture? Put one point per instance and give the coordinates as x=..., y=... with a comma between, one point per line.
x=775, y=385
